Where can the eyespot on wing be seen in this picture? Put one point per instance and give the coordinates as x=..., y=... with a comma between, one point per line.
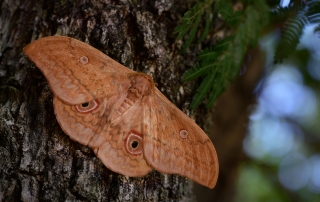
x=75, y=71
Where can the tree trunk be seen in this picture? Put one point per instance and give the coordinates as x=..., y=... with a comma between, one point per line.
x=38, y=161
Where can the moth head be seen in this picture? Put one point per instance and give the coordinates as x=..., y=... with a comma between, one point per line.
x=141, y=82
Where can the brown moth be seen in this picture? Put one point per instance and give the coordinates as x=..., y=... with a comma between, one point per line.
x=131, y=126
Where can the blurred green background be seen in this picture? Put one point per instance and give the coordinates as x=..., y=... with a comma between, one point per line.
x=283, y=140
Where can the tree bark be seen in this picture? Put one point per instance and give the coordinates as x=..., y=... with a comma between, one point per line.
x=38, y=161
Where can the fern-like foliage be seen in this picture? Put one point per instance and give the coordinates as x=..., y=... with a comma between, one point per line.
x=313, y=11
x=191, y=20
x=219, y=65
x=300, y=15
x=295, y=21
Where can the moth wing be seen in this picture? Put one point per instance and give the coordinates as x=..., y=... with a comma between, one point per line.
x=109, y=130
x=77, y=72
x=86, y=126
x=122, y=151
x=175, y=144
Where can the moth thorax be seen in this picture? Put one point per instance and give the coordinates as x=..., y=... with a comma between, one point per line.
x=133, y=143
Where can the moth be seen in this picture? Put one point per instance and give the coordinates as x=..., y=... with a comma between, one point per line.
x=130, y=125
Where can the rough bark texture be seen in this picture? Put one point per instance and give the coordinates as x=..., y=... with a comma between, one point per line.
x=38, y=161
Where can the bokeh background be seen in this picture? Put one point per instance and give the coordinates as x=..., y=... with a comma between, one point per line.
x=283, y=140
